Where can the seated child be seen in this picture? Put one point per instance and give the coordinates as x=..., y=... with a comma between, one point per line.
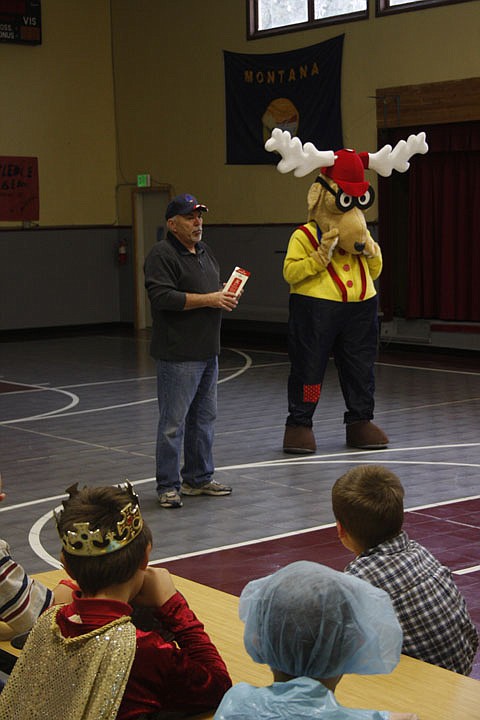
x=88, y=653
x=368, y=507
x=22, y=599
x=312, y=624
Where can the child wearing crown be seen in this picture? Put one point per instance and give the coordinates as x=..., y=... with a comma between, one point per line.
x=86, y=657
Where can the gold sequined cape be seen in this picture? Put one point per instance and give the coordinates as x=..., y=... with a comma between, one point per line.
x=79, y=678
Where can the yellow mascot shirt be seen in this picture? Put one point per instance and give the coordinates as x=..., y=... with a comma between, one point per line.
x=347, y=278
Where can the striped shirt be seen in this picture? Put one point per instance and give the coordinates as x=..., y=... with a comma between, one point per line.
x=22, y=599
x=436, y=625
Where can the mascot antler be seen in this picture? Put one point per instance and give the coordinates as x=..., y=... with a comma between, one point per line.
x=303, y=159
x=386, y=159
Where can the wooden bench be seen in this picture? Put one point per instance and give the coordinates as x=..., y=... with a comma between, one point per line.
x=414, y=686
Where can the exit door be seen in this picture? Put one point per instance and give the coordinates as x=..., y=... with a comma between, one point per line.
x=149, y=206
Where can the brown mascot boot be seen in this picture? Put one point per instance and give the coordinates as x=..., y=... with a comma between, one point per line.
x=299, y=440
x=365, y=435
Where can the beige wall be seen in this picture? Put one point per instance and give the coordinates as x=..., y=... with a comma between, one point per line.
x=57, y=99
x=57, y=105
x=171, y=94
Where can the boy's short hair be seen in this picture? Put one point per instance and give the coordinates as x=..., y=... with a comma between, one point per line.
x=368, y=502
x=101, y=507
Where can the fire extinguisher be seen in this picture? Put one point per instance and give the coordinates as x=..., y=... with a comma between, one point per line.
x=122, y=252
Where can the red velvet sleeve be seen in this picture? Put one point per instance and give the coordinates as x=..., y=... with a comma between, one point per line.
x=187, y=675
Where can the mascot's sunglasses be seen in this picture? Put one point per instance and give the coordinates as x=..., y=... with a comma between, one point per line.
x=345, y=202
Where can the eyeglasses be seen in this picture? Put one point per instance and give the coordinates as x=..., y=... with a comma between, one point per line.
x=345, y=202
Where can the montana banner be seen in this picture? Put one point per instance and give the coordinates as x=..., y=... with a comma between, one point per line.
x=298, y=91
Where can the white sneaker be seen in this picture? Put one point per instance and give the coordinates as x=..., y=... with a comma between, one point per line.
x=211, y=488
x=170, y=499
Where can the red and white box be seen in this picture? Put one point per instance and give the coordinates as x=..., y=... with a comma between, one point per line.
x=236, y=281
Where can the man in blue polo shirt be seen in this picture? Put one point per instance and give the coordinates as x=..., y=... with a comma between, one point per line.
x=183, y=283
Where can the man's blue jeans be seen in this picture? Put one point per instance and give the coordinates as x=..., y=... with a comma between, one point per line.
x=187, y=402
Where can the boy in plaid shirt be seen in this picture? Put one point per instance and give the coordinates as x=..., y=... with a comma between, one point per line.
x=368, y=507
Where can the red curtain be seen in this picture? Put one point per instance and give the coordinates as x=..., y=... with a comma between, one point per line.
x=443, y=253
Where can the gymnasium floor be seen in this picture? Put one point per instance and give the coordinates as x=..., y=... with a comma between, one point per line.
x=82, y=407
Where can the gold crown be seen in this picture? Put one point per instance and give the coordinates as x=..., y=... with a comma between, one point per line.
x=90, y=543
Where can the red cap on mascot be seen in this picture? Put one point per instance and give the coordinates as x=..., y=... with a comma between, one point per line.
x=348, y=172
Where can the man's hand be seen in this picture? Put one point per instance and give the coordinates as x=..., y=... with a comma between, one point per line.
x=224, y=300
x=220, y=300
x=157, y=588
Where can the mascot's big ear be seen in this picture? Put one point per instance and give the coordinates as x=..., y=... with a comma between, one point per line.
x=314, y=197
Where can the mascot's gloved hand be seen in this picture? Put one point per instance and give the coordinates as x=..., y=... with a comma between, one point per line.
x=323, y=254
x=371, y=249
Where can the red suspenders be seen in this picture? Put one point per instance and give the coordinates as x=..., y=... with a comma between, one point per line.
x=331, y=271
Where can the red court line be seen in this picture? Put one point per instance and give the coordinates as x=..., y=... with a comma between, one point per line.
x=450, y=531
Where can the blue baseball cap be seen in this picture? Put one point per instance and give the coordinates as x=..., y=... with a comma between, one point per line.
x=183, y=205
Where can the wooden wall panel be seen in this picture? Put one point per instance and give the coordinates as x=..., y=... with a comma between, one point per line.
x=429, y=104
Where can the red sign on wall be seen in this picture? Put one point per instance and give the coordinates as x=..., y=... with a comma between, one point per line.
x=19, y=197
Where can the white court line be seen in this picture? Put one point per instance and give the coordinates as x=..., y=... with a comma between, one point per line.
x=74, y=401
x=409, y=408
x=36, y=543
x=61, y=413
x=34, y=535
x=317, y=459
x=429, y=369
x=37, y=546
x=248, y=364
x=274, y=364
x=111, y=382
x=466, y=571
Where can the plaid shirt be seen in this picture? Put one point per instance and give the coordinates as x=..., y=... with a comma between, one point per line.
x=433, y=614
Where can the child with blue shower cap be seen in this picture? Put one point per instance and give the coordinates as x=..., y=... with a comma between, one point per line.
x=311, y=625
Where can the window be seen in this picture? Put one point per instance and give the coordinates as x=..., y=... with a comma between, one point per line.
x=275, y=17
x=272, y=17
x=389, y=7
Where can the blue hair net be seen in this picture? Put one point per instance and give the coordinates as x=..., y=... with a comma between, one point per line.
x=309, y=620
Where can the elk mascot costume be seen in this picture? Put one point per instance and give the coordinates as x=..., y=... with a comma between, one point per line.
x=331, y=264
